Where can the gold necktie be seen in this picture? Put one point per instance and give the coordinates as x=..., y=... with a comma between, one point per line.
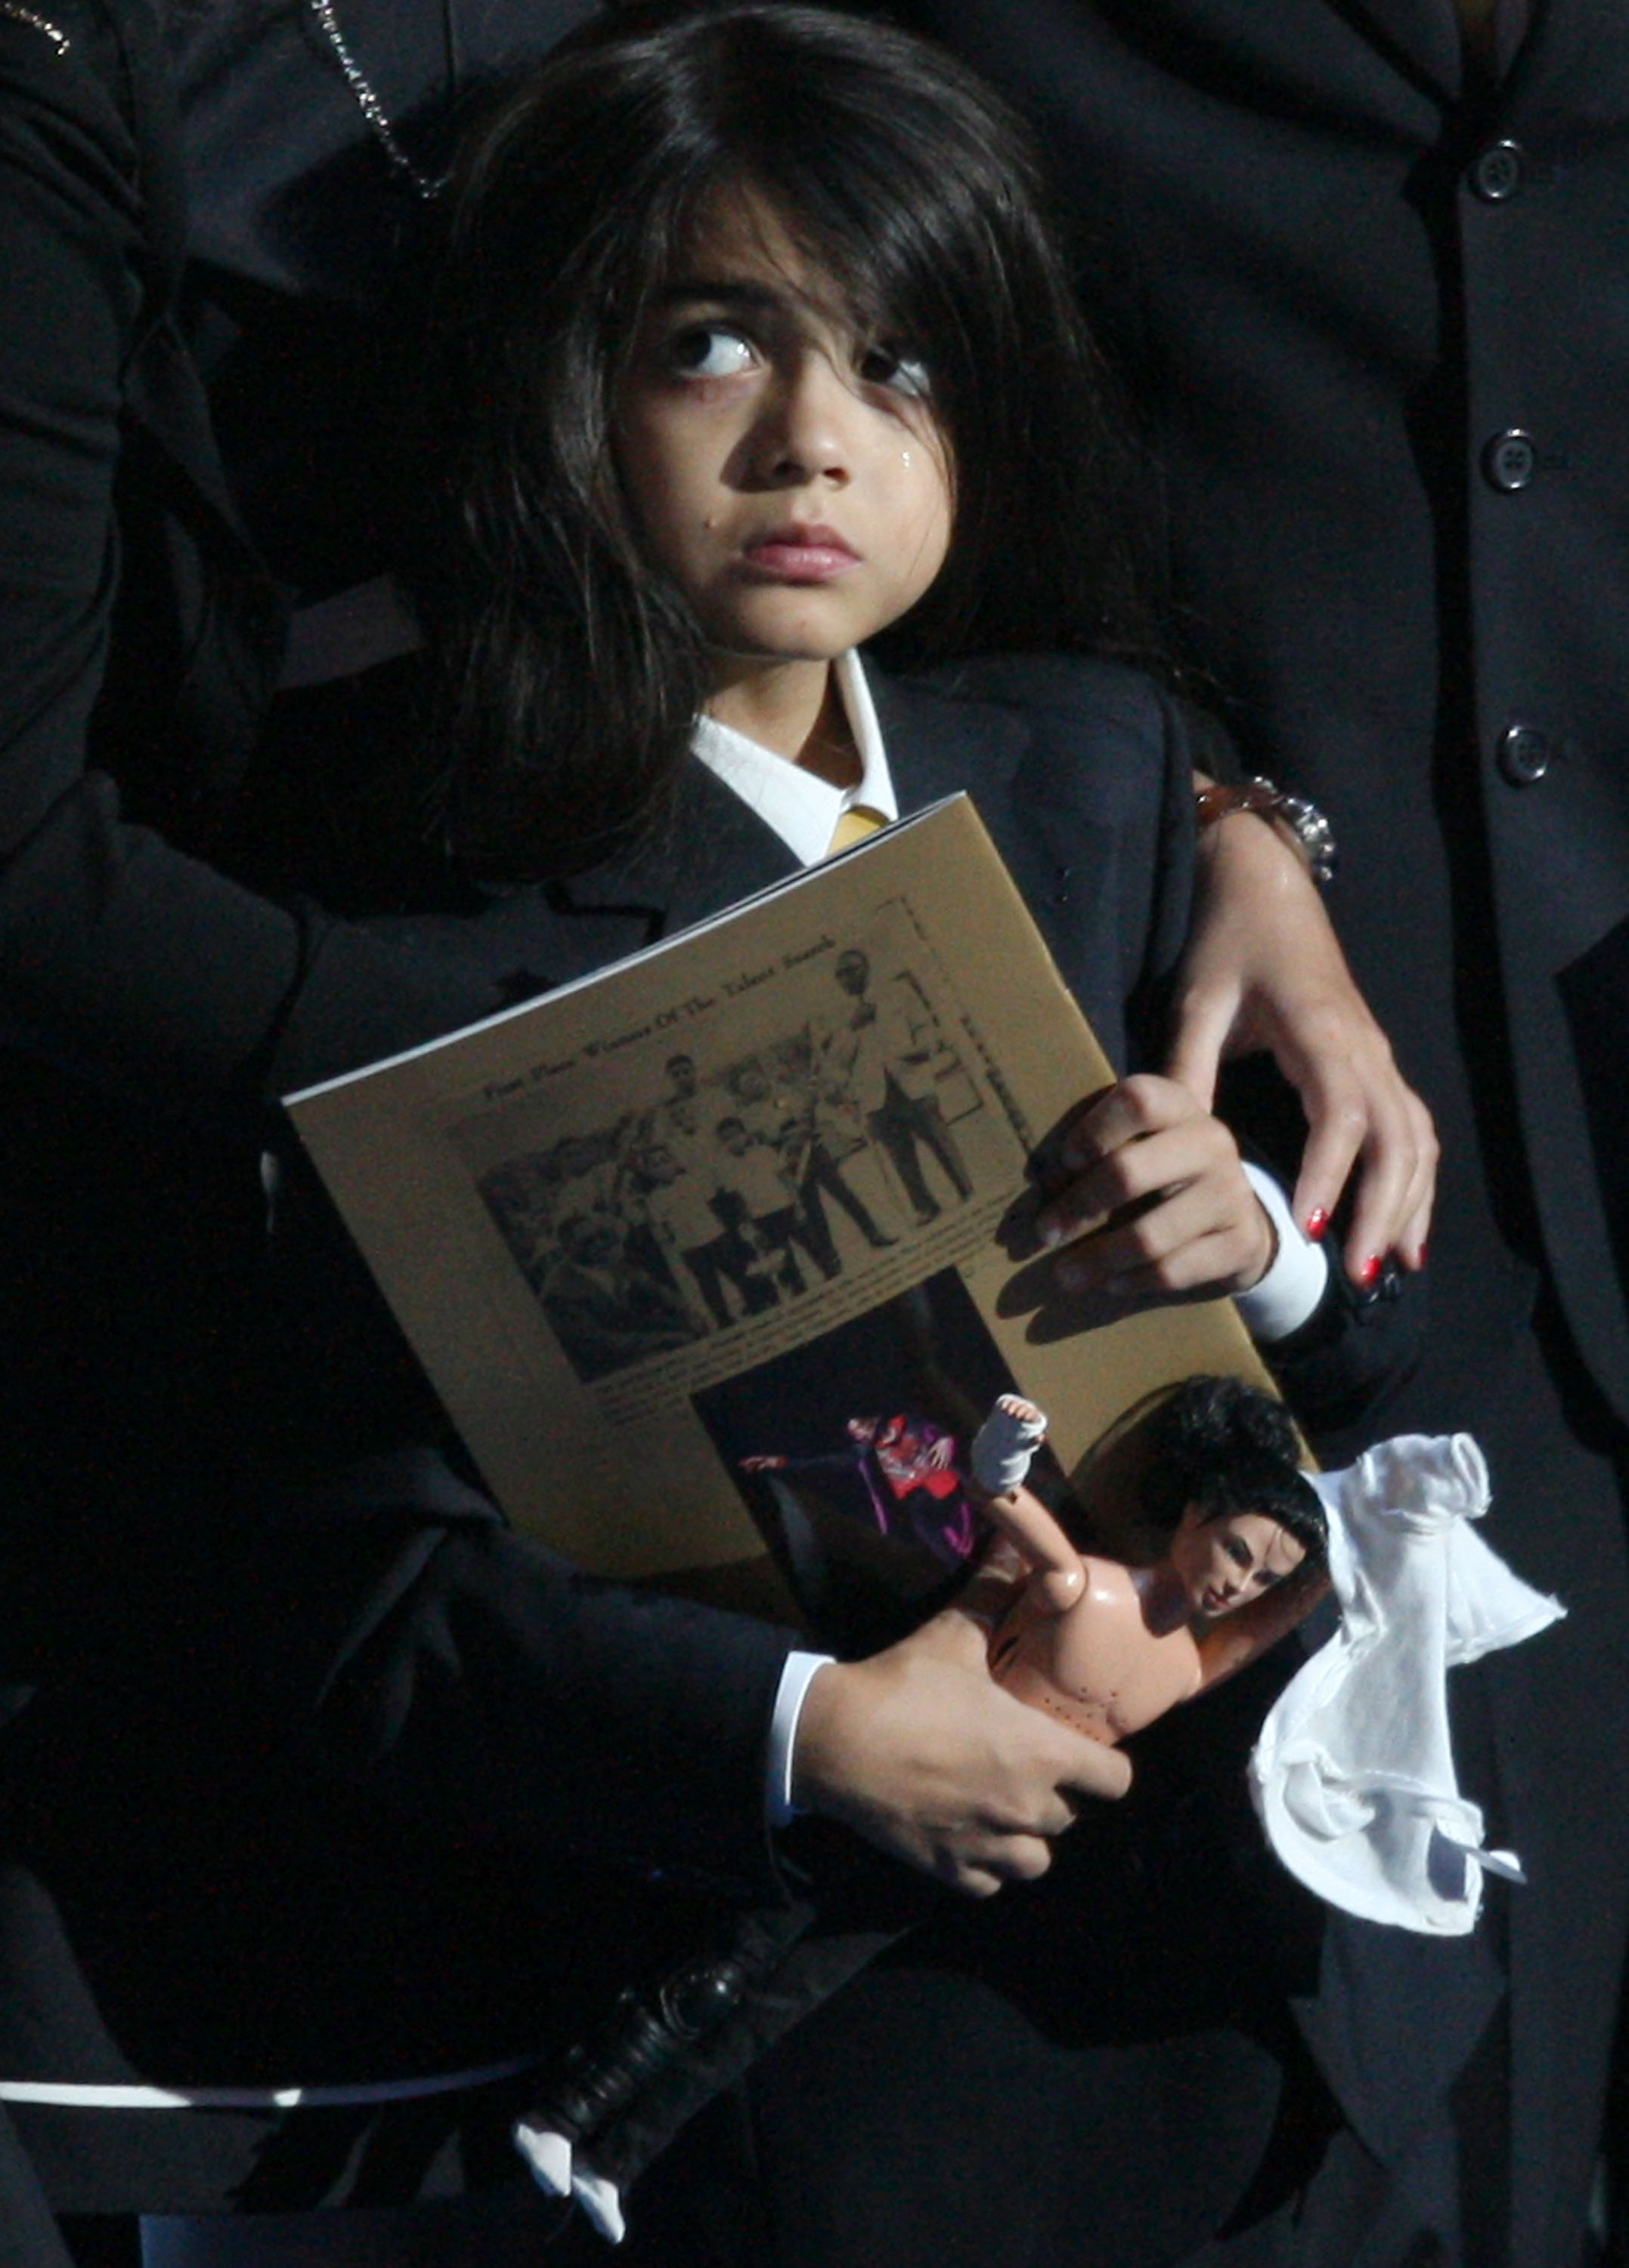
x=857, y=822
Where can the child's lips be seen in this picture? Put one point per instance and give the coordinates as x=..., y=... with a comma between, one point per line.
x=800, y=554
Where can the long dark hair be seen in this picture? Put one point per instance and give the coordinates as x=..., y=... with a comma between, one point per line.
x=571, y=671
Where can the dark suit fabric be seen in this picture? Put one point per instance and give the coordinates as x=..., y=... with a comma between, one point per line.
x=256, y=1686
x=1330, y=292
x=324, y=1768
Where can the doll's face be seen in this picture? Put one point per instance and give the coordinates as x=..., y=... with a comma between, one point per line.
x=786, y=472
x=1223, y=1562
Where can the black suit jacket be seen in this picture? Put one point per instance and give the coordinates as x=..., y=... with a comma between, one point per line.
x=1333, y=290
x=153, y=1005
x=1337, y=268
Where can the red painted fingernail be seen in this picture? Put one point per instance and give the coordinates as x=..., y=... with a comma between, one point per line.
x=1369, y=1275
x=1424, y=1252
x=1317, y=1224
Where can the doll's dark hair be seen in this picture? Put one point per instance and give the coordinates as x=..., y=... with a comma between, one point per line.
x=1224, y=1445
x=572, y=671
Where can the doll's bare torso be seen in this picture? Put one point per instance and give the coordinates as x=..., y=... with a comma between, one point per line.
x=1099, y=1666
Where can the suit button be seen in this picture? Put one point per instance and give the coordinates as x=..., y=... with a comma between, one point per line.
x=1496, y=175
x=1509, y=460
x=1524, y=755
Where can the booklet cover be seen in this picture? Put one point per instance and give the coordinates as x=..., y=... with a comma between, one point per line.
x=719, y=1256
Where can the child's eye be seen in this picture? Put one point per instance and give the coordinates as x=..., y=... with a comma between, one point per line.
x=710, y=350
x=882, y=366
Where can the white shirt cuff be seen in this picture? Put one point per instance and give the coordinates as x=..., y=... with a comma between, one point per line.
x=795, y=1679
x=1293, y=1287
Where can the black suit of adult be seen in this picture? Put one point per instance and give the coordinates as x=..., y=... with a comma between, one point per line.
x=1372, y=312
x=152, y=1006
x=266, y=1695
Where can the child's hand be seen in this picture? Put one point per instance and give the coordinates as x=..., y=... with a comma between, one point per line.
x=1160, y=1208
x=922, y=1753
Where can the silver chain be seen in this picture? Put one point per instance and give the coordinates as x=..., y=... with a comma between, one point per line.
x=372, y=108
x=35, y=22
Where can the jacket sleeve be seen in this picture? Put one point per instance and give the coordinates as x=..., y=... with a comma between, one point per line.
x=474, y=1676
x=389, y=1633
x=122, y=956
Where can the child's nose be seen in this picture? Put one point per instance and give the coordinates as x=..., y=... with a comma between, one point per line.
x=807, y=429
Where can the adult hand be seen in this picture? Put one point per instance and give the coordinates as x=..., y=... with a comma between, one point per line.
x=922, y=1753
x=1157, y=1207
x=1265, y=971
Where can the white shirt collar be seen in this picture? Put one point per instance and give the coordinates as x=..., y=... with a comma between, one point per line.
x=802, y=809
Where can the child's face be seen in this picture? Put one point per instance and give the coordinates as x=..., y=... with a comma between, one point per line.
x=1223, y=1562
x=786, y=473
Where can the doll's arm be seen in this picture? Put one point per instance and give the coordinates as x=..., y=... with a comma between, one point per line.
x=1057, y=1571
x=1002, y=1449
x=1235, y=1640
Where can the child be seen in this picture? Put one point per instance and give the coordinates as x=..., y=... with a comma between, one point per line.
x=279, y=1668
x=754, y=354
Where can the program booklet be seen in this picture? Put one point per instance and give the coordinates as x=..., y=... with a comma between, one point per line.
x=719, y=1256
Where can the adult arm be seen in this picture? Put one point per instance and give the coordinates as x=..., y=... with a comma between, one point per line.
x=123, y=956
x=1230, y=928
x=1264, y=970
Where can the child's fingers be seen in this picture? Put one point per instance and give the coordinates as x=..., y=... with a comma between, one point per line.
x=1144, y=1138
x=1105, y=1153
x=1196, y=1240
x=1126, y=1112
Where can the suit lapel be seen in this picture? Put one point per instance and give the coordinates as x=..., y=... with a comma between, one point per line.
x=1574, y=60
x=714, y=853
x=717, y=851
x=1567, y=43
x=1421, y=36
x=938, y=747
